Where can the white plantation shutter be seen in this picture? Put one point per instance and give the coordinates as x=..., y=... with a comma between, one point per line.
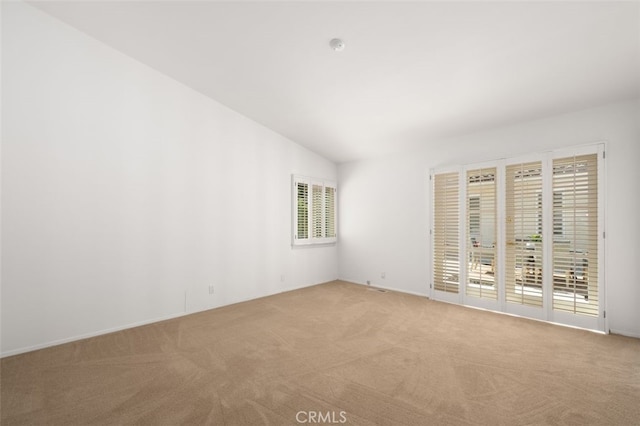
x=317, y=211
x=575, y=239
x=481, y=233
x=301, y=228
x=314, y=211
x=330, y=212
x=523, y=251
x=446, y=252
x=523, y=236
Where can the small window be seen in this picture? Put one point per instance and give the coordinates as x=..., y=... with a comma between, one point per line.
x=314, y=211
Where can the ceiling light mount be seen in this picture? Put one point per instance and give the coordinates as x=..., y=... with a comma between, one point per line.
x=337, y=44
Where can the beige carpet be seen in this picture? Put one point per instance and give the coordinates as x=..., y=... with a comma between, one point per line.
x=340, y=350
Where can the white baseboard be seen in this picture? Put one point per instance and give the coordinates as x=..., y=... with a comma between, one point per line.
x=181, y=314
x=135, y=324
x=92, y=334
x=624, y=333
x=414, y=293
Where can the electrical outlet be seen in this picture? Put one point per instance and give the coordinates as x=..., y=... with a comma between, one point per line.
x=383, y=275
x=282, y=278
x=210, y=289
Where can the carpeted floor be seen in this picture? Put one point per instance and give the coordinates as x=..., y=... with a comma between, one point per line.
x=335, y=352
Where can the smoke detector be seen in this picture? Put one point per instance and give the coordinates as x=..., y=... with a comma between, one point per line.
x=337, y=44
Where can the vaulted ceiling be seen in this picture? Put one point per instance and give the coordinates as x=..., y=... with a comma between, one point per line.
x=411, y=73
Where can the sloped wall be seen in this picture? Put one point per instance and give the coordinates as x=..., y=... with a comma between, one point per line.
x=126, y=195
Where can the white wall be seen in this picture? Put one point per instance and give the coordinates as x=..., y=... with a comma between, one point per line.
x=385, y=210
x=126, y=194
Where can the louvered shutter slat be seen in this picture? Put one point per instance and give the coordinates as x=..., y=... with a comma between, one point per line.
x=302, y=210
x=317, y=211
x=330, y=208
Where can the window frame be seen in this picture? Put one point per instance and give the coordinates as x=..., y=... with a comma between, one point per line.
x=316, y=215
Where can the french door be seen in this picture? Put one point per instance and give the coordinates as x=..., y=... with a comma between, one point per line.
x=523, y=236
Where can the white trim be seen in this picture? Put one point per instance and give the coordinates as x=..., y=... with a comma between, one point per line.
x=580, y=321
x=446, y=169
x=393, y=289
x=431, y=225
x=529, y=158
x=527, y=318
x=602, y=252
x=146, y=322
x=625, y=333
x=547, y=243
x=96, y=333
x=577, y=150
x=501, y=235
x=526, y=311
x=462, y=234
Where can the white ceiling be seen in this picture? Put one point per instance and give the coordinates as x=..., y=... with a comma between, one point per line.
x=411, y=73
